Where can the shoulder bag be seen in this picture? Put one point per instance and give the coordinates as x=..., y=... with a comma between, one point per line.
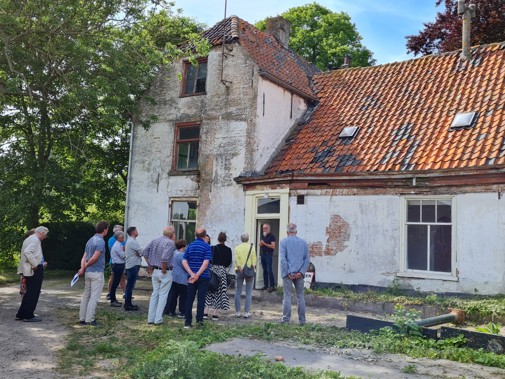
x=248, y=271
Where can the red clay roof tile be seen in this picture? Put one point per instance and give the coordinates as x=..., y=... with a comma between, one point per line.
x=404, y=111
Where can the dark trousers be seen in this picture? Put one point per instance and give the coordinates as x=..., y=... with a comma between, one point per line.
x=268, y=274
x=117, y=269
x=31, y=297
x=131, y=279
x=177, y=291
x=200, y=287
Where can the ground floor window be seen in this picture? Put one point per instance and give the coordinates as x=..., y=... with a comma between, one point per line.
x=184, y=219
x=429, y=235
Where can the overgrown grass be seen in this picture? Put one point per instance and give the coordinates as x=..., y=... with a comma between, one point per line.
x=124, y=346
x=478, y=308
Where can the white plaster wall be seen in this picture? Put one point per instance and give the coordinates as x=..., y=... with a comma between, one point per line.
x=274, y=119
x=228, y=145
x=371, y=256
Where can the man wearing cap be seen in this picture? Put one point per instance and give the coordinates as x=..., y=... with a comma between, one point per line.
x=159, y=255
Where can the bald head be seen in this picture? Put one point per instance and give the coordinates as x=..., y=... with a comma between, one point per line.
x=169, y=231
x=200, y=233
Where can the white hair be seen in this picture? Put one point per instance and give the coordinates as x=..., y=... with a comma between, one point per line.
x=116, y=228
x=244, y=237
x=41, y=230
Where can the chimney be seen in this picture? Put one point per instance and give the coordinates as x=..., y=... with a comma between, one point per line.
x=347, y=61
x=467, y=13
x=280, y=29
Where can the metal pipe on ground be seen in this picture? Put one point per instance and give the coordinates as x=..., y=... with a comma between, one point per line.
x=456, y=316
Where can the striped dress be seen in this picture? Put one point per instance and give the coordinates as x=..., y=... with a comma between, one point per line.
x=221, y=259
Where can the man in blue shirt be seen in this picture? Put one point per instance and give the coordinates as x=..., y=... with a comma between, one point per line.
x=92, y=266
x=295, y=260
x=196, y=263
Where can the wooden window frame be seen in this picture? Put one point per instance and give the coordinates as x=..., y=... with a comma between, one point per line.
x=177, y=141
x=187, y=65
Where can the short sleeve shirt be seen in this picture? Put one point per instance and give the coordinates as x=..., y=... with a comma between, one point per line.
x=268, y=239
x=95, y=243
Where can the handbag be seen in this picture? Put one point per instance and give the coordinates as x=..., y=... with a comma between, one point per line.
x=213, y=282
x=248, y=271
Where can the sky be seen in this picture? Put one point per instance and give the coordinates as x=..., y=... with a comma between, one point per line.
x=383, y=24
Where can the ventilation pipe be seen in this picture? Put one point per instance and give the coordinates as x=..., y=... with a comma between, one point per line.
x=467, y=13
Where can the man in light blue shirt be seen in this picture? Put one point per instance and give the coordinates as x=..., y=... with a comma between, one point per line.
x=295, y=260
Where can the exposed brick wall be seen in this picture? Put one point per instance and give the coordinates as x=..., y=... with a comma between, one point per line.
x=338, y=233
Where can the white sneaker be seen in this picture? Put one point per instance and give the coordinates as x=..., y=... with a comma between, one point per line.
x=247, y=315
x=238, y=314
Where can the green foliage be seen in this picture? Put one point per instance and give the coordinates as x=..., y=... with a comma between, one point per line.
x=409, y=369
x=490, y=328
x=324, y=37
x=405, y=321
x=72, y=76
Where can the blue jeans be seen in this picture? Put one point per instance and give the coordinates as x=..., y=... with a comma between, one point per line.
x=268, y=274
x=286, y=300
x=200, y=286
x=117, y=269
x=131, y=279
x=248, y=292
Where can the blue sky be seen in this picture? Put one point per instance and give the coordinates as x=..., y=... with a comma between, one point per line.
x=383, y=24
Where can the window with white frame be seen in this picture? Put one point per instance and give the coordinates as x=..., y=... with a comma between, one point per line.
x=429, y=235
x=184, y=219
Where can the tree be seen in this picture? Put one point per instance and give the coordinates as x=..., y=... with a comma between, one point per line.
x=324, y=37
x=72, y=74
x=444, y=34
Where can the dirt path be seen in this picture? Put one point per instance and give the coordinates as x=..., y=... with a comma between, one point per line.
x=29, y=350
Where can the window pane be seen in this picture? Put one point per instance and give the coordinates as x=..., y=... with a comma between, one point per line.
x=183, y=155
x=190, y=79
x=184, y=230
x=184, y=210
x=417, y=257
x=413, y=210
x=201, y=78
x=440, y=246
x=190, y=132
x=200, y=86
x=428, y=210
x=193, y=155
x=444, y=211
x=269, y=205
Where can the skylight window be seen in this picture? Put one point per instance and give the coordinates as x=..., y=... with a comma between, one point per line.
x=464, y=120
x=348, y=132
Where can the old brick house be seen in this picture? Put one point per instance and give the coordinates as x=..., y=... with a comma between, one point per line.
x=393, y=172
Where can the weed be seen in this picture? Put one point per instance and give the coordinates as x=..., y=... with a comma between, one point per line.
x=405, y=321
x=490, y=328
x=409, y=369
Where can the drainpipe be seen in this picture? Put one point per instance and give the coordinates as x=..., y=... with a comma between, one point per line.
x=128, y=178
x=456, y=317
x=467, y=13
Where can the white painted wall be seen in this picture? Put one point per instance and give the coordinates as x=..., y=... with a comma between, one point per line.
x=274, y=119
x=372, y=254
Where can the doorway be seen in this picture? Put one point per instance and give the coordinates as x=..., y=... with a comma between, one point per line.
x=274, y=229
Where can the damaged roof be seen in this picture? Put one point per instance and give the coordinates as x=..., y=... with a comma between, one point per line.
x=403, y=112
x=276, y=63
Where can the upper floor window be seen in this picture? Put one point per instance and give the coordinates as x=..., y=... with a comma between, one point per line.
x=187, y=143
x=429, y=235
x=194, y=78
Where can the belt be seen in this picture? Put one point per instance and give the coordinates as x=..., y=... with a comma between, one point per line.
x=159, y=268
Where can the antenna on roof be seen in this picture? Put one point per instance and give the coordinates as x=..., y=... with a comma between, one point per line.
x=223, y=53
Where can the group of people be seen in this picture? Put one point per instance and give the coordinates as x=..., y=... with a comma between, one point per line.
x=179, y=273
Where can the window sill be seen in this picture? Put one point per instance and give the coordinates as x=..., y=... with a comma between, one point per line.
x=183, y=172
x=428, y=275
x=193, y=94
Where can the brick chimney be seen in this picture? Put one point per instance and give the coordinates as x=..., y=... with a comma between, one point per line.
x=466, y=13
x=280, y=29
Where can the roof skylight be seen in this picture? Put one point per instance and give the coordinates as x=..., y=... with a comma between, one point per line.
x=464, y=120
x=348, y=132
